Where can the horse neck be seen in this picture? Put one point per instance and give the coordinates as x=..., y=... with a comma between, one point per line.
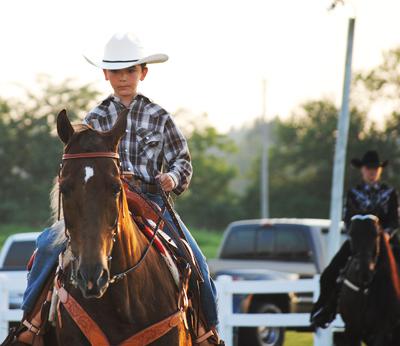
x=389, y=268
x=130, y=241
x=151, y=279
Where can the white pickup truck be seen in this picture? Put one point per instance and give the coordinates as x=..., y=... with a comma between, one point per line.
x=14, y=257
x=271, y=249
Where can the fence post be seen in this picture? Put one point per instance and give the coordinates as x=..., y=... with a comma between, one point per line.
x=322, y=337
x=3, y=307
x=225, y=311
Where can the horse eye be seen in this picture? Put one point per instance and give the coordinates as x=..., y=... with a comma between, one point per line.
x=64, y=189
x=116, y=188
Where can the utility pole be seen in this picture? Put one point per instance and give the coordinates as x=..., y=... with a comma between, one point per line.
x=264, y=195
x=340, y=150
x=324, y=337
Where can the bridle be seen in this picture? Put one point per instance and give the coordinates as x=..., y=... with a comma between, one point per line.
x=117, y=225
x=347, y=282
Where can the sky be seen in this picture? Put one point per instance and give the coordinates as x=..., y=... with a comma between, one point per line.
x=220, y=51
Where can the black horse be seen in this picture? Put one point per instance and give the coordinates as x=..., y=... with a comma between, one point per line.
x=369, y=297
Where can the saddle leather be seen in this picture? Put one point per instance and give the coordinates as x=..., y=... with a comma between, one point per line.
x=138, y=206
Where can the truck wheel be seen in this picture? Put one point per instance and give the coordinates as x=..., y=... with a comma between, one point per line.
x=263, y=336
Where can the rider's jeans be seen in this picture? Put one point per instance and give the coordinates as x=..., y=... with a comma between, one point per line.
x=47, y=256
x=45, y=261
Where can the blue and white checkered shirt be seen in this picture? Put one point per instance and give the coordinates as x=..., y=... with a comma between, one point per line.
x=152, y=144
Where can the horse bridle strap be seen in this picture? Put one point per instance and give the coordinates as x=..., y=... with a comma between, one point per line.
x=107, y=154
x=95, y=335
x=88, y=327
x=354, y=287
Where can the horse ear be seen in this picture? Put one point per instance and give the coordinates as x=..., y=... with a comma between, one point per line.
x=64, y=127
x=119, y=128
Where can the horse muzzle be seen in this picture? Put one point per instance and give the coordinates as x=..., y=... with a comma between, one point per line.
x=93, y=280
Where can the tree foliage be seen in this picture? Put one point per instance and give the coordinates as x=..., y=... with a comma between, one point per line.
x=29, y=149
x=301, y=156
x=209, y=202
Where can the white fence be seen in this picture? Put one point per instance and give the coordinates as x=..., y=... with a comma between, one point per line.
x=15, y=284
x=227, y=288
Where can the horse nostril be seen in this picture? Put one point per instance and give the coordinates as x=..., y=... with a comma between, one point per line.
x=80, y=276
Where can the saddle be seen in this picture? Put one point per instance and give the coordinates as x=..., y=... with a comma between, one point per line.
x=146, y=215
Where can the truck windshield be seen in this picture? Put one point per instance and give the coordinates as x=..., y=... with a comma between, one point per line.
x=19, y=255
x=278, y=242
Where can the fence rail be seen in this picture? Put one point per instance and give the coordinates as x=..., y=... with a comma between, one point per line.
x=228, y=320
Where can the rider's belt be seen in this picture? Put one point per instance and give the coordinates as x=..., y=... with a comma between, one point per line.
x=141, y=185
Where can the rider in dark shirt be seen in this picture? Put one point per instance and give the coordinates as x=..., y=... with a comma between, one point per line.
x=369, y=197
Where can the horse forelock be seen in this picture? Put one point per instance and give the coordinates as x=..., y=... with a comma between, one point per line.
x=364, y=227
x=86, y=139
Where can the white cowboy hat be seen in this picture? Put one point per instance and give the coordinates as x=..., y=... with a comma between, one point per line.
x=124, y=50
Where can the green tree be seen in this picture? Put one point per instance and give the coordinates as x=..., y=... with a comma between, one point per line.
x=301, y=161
x=30, y=151
x=377, y=91
x=209, y=202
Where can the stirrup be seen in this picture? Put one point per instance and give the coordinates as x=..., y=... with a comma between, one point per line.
x=213, y=336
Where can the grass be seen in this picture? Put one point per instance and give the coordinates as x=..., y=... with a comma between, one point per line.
x=298, y=339
x=208, y=242
x=8, y=229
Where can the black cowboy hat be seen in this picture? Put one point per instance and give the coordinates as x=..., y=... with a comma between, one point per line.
x=370, y=159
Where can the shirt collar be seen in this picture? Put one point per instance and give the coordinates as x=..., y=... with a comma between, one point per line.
x=375, y=186
x=118, y=100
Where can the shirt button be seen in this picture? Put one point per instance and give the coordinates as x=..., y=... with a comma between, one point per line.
x=129, y=169
x=126, y=130
x=126, y=150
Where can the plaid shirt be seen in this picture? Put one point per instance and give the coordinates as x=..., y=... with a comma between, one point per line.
x=152, y=144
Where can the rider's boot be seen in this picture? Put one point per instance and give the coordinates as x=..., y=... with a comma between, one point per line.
x=324, y=310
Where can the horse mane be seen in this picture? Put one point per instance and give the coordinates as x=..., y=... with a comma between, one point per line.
x=390, y=266
x=127, y=229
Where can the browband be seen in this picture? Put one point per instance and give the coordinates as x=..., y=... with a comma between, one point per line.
x=108, y=154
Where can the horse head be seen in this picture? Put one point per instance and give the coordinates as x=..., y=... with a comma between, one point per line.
x=92, y=199
x=365, y=234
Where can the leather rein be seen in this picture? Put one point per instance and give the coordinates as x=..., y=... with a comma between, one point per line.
x=85, y=323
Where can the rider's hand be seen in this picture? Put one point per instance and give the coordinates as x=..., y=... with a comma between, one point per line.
x=166, y=181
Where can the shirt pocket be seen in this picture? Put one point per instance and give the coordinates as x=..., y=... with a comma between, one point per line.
x=149, y=142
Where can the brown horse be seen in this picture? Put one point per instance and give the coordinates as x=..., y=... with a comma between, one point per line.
x=103, y=241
